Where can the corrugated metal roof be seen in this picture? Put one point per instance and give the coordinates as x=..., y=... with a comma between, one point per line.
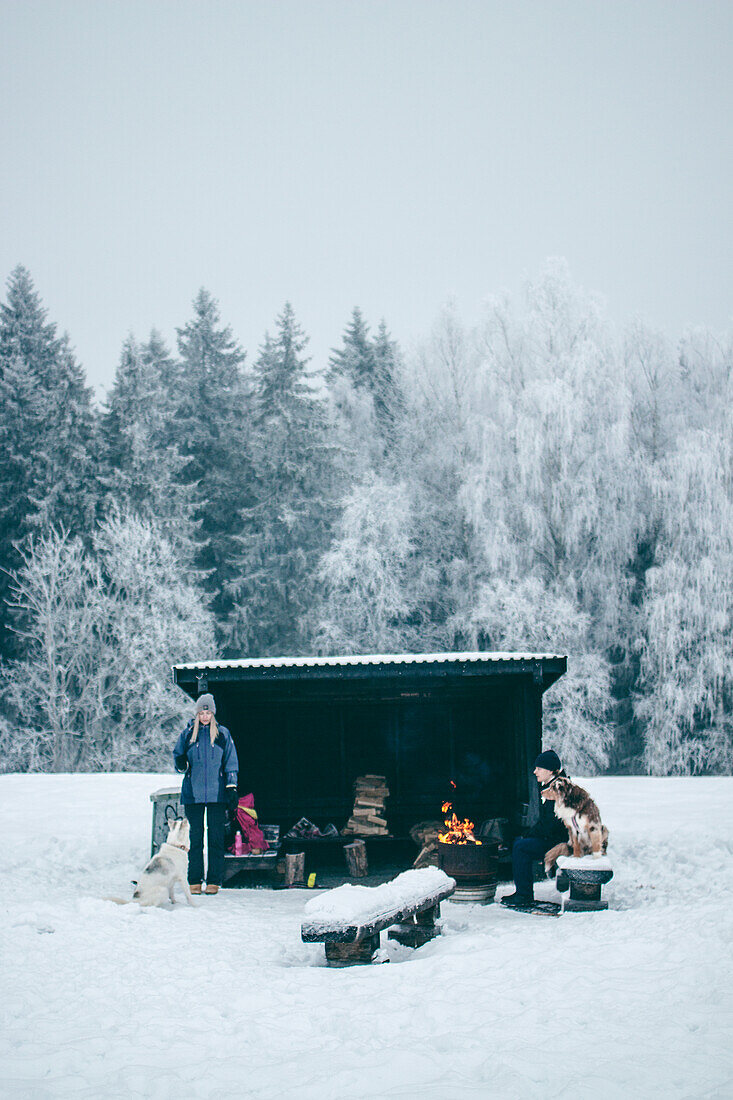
x=369, y=659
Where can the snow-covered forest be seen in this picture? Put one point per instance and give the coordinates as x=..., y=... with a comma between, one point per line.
x=538, y=481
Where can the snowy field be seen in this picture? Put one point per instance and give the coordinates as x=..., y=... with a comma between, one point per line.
x=224, y=1000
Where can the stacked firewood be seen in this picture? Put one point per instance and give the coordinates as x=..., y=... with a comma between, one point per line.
x=368, y=816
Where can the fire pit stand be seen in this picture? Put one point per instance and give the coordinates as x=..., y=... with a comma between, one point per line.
x=474, y=867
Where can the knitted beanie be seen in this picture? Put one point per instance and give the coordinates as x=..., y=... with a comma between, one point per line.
x=549, y=760
x=205, y=702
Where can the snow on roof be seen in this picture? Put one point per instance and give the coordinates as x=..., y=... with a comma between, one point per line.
x=371, y=659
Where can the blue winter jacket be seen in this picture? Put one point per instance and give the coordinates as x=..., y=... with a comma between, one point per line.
x=209, y=769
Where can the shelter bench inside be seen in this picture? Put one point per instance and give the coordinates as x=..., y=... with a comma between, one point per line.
x=267, y=861
x=348, y=919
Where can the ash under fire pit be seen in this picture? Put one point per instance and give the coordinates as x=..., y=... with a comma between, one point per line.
x=473, y=863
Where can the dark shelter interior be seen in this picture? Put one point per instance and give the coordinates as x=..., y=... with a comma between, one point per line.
x=306, y=727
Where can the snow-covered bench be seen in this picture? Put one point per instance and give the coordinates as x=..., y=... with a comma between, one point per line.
x=348, y=920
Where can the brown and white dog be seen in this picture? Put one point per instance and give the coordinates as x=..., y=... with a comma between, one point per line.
x=577, y=810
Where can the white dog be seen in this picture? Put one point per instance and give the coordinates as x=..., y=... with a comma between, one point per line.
x=158, y=880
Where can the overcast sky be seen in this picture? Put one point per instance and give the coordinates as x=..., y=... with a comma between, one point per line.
x=381, y=153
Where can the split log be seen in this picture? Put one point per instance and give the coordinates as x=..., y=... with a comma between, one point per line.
x=356, y=858
x=294, y=868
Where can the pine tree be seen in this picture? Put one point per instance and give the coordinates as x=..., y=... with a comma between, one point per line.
x=355, y=359
x=289, y=525
x=49, y=464
x=141, y=462
x=388, y=393
x=212, y=431
x=366, y=394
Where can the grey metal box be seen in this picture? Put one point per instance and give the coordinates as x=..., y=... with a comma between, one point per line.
x=166, y=807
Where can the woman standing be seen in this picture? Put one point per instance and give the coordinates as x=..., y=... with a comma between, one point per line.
x=205, y=752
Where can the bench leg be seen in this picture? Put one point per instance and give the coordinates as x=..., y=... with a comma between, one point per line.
x=585, y=897
x=418, y=930
x=352, y=954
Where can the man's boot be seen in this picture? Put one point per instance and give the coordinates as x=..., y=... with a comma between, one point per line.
x=517, y=899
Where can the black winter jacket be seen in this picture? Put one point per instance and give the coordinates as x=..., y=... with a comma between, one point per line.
x=548, y=827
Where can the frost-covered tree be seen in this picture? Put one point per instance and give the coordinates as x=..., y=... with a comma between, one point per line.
x=366, y=394
x=141, y=461
x=388, y=390
x=365, y=573
x=93, y=691
x=685, y=691
x=288, y=527
x=550, y=491
x=48, y=450
x=545, y=482
x=526, y=615
x=438, y=448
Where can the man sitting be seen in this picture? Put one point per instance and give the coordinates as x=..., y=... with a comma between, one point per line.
x=546, y=832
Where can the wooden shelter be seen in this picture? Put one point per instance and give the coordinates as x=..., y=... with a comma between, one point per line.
x=306, y=727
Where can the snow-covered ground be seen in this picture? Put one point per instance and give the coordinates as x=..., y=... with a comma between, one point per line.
x=99, y=1000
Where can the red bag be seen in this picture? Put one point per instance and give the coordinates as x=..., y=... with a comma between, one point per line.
x=253, y=840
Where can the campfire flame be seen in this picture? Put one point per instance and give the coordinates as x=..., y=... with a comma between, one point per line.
x=457, y=832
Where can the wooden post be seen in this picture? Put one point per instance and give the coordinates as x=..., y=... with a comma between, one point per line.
x=418, y=929
x=352, y=954
x=356, y=858
x=294, y=868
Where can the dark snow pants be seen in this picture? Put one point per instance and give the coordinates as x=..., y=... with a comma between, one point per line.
x=215, y=822
x=525, y=851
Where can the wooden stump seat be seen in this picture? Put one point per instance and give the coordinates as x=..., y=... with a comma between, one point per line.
x=348, y=919
x=584, y=876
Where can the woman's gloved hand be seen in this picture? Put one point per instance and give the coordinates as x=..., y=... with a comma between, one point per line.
x=232, y=799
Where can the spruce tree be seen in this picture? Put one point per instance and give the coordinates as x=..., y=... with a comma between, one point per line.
x=354, y=360
x=141, y=461
x=211, y=428
x=49, y=432
x=389, y=397
x=289, y=525
x=366, y=395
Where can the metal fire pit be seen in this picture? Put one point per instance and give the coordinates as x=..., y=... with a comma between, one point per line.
x=474, y=867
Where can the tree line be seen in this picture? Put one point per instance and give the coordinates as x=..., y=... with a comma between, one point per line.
x=536, y=482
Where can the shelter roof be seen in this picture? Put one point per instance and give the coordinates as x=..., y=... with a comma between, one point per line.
x=372, y=669
x=369, y=659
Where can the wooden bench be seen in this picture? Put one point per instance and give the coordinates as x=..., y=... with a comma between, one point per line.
x=266, y=862
x=348, y=920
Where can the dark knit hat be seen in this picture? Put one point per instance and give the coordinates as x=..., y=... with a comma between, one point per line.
x=205, y=702
x=549, y=760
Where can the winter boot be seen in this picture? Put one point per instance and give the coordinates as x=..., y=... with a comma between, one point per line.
x=196, y=888
x=211, y=889
x=517, y=899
